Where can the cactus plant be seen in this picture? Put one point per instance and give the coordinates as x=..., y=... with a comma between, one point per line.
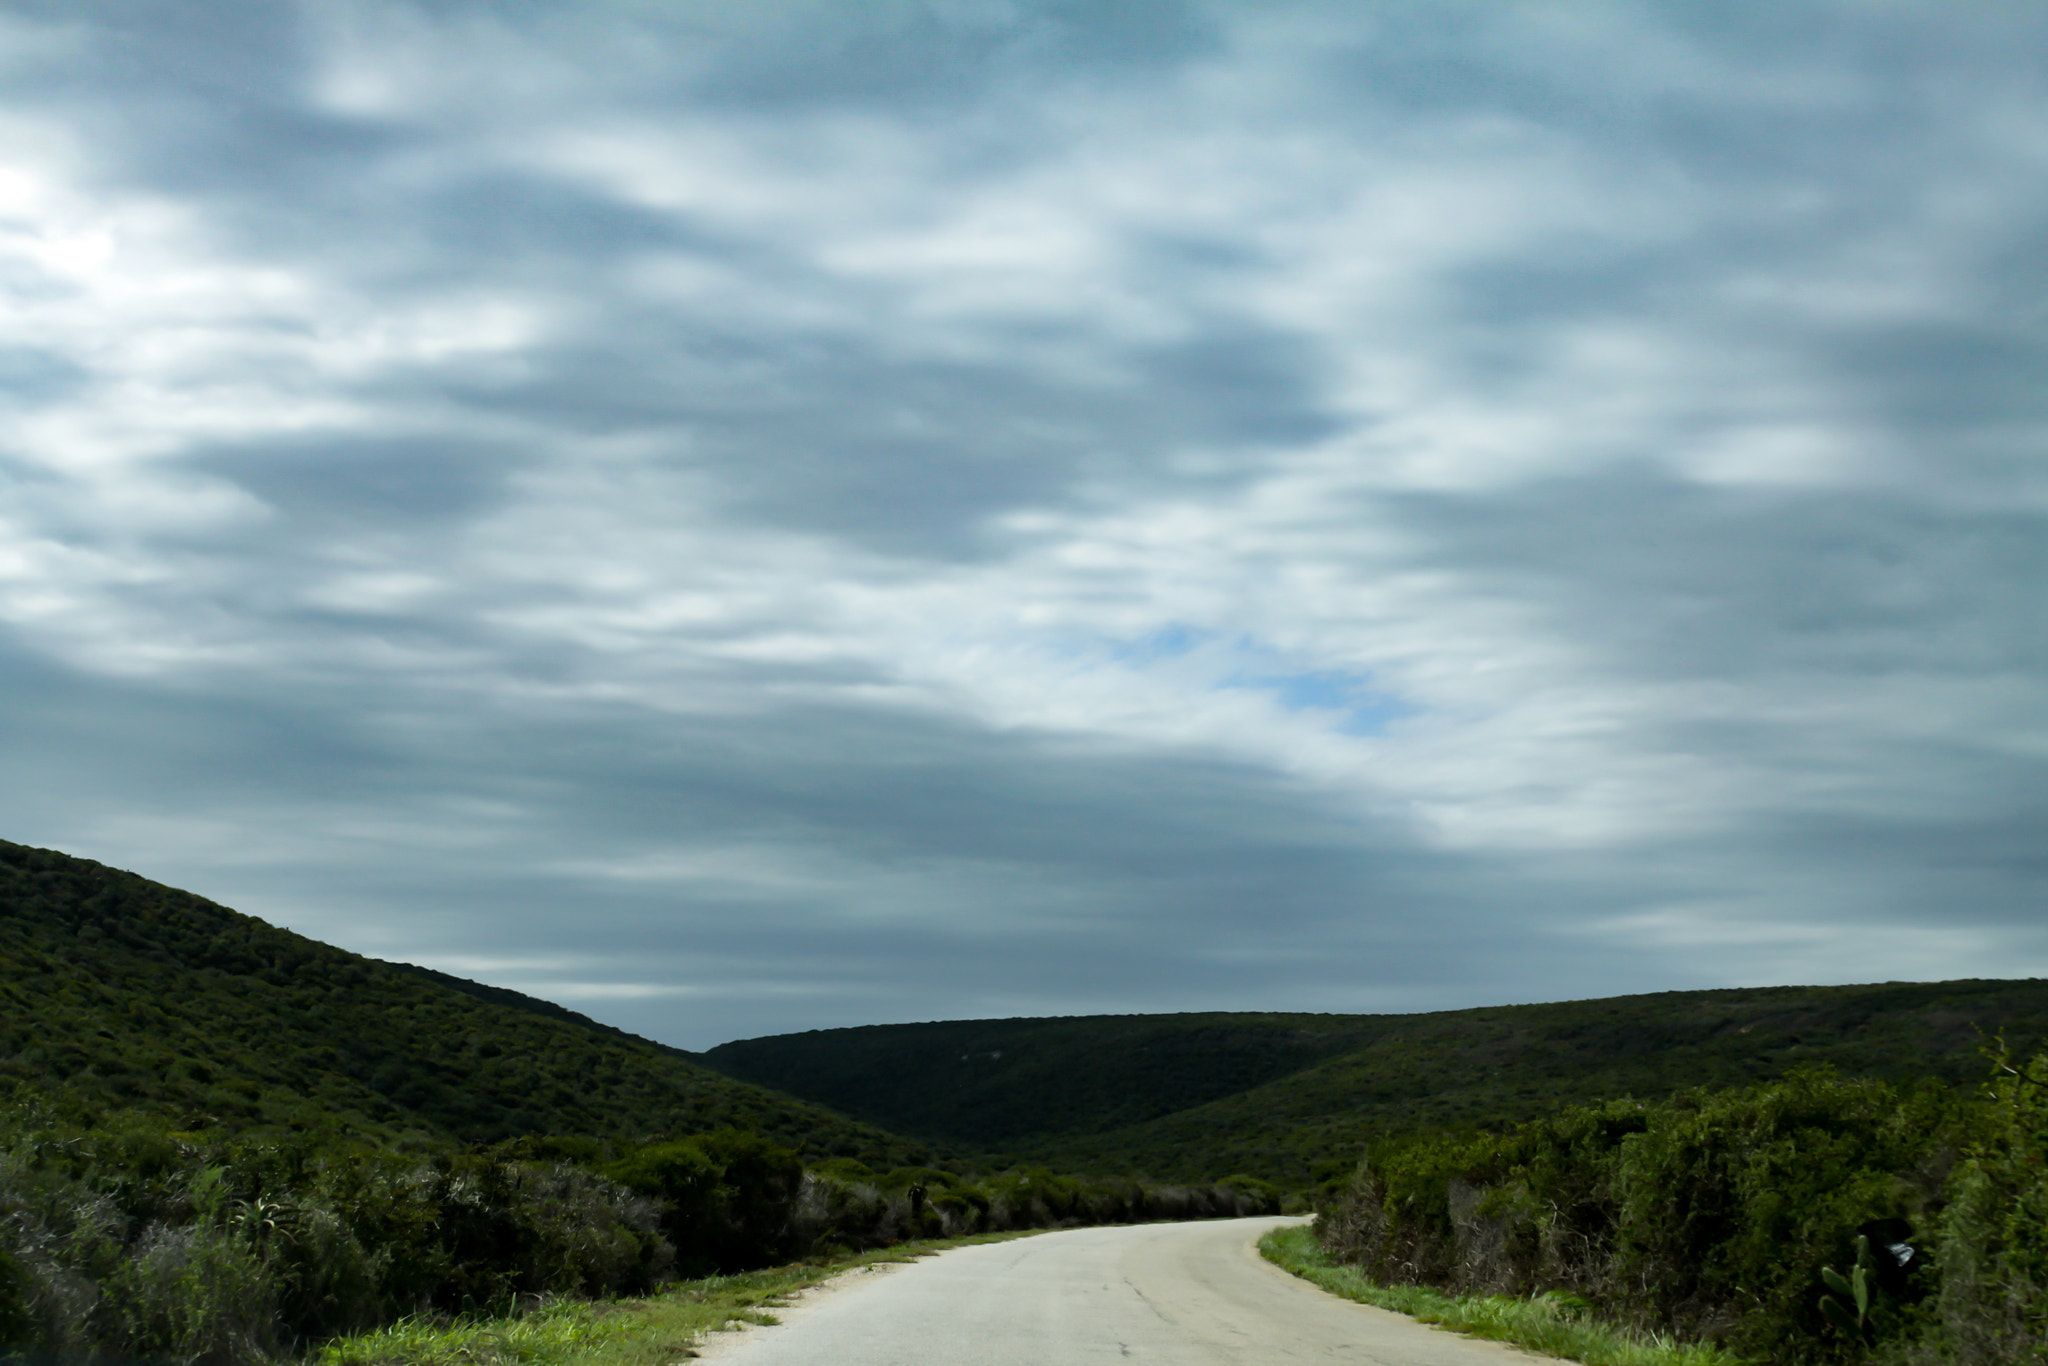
x=1850, y=1303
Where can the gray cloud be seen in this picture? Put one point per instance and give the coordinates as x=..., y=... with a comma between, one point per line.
x=748, y=518
x=364, y=480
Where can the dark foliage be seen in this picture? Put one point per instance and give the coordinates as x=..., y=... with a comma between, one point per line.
x=1991, y=1241
x=728, y=1198
x=1002, y=1084
x=1738, y=1215
x=119, y=995
x=228, y=1142
x=131, y=1242
x=223, y=1142
x=1285, y=1096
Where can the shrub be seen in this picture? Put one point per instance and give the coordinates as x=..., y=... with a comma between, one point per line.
x=1991, y=1246
x=17, y=1321
x=123, y=1240
x=1709, y=1216
x=192, y=1294
x=728, y=1198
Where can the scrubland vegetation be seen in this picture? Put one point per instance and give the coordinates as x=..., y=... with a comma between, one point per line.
x=126, y=1241
x=1290, y=1097
x=1815, y=1219
x=222, y=1142
x=1554, y=1323
x=124, y=996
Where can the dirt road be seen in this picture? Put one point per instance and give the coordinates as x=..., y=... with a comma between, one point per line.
x=1151, y=1295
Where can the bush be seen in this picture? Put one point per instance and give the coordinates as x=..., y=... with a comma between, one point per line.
x=1708, y=1216
x=124, y=1240
x=17, y=1321
x=728, y=1198
x=192, y=1294
x=1991, y=1246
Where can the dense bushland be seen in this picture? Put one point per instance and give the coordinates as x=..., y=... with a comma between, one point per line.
x=125, y=1241
x=118, y=995
x=1719, y=1216
x=1284, y=1096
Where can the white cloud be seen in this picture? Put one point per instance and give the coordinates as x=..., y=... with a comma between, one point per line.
x=1505, y=468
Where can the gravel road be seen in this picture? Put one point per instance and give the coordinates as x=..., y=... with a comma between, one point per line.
x=1152, y=1295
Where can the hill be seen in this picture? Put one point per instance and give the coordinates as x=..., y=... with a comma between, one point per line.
x=995, y=1085
x=1293, y=1098
x=123, y=994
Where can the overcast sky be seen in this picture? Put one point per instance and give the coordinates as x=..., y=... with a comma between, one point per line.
x=744, y=516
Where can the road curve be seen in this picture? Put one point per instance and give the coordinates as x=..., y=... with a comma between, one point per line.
x=1193, y=1294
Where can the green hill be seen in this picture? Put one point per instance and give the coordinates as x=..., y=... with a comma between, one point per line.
x=123, y=994
x=1293, y=1098
x=1000, y=1084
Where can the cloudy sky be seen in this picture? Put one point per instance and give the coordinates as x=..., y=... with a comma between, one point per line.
x=742, y=517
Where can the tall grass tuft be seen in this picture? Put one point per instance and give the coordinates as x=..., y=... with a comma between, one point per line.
x=549, y=1336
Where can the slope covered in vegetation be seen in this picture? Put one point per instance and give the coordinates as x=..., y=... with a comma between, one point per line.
x=224, y=1142
x=1004, y=1084
x=120, y=994
x=1290, y=1097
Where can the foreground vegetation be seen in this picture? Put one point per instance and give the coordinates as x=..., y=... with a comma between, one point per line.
x=1816, y=1219
x=1554, y=1323
x=123, y=1240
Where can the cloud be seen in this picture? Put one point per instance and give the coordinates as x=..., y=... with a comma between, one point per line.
x=782, y=516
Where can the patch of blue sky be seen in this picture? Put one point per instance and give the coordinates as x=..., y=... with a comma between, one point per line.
x=1355, y=705
x=1168, y=642
x=1361, y=709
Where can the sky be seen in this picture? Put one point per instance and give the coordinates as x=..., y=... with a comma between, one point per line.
x=742, y=518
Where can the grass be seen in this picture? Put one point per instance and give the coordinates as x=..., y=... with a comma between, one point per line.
x=657, y=1331
x=1556, y=1325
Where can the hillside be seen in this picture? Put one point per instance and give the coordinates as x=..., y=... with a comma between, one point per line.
x=121, y=993
x=124, y=994
x=1002, y=1084
x=1293, y=1098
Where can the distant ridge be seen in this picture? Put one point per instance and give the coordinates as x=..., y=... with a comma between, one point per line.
x=121, y=994
x=1295, y=1097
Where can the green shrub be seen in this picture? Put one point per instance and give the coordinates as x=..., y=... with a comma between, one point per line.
x=192, y=1294
x=327, y=1281
x=17, y=1320
x=1991, y=1245
x=1729, y=1211
x=123, y=1239
x=1708, y=1216
x=728, y=1198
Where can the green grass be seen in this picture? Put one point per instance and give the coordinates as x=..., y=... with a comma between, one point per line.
x=655, y=1331
x=1555, y=1325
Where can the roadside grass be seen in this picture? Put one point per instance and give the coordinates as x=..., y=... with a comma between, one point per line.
x=1555, y=1325
x=655, y=1331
